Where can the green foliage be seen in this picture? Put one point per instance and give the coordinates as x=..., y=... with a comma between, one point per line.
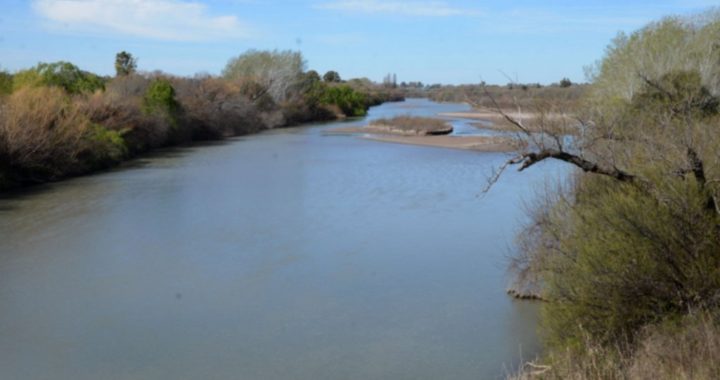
x=6, y=83
x=351, y=102
x=160, y=98
x=672, y=44
x=105, y=147
x=125, y=64
x=613, y=256
x=565, y=82
x=261, y=64
x=332, y=77
x=61, y=74
x=629, y=261
x=679, y=93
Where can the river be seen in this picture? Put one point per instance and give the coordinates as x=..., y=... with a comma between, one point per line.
x=291, y=254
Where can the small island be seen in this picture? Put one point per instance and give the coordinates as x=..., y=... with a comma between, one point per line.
x=427, y=132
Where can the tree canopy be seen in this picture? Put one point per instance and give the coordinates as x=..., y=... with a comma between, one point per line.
x=60, y=74
x=276, y=70
x=125, y=64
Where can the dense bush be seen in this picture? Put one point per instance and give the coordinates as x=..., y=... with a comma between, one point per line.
x=633, y=241
x=6, y=83
x=350, y=102
x=42, y=134
x=60, y=74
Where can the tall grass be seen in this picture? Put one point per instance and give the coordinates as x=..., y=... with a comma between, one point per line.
x=684, y=349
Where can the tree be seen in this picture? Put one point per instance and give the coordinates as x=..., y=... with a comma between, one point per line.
x=390, y=80
x=565, y=82
x=277, y=71
x=159, y=99
x=332, y=77
x=312, y=76
x=125, y=64
x=351, y=102
x=634, y=236
x=61, y=74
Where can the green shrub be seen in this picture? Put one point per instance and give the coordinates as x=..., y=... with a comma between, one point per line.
x=60, y=74
x=613, y=254
x=160, y=99
x=351, y=102
x=6, y=83
x=104, y=148
x=629, y=261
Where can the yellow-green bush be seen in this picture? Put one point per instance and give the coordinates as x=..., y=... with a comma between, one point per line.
x=61, y=74
x=614, y=256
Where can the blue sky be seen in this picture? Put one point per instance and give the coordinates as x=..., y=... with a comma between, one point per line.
x=430, y=41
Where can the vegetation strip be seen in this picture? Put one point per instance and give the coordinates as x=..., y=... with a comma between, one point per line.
x=57, y=120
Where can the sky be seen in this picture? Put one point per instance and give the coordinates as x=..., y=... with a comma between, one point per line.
x=431, y=41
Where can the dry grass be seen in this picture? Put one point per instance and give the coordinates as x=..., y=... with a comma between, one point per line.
x=42, y=132
x=688, y=349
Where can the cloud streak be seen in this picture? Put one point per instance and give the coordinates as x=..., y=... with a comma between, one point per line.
x=169, y=20
x=401, y=8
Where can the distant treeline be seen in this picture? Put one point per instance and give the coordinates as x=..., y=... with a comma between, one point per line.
x=563, y=94
x=57, y=120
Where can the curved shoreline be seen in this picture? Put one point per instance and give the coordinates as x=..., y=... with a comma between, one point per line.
x=477, y=143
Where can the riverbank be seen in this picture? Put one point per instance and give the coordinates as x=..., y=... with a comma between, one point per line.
x=51, y=130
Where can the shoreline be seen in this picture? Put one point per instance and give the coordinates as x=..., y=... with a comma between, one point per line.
x=494, y=144
x=476, y=143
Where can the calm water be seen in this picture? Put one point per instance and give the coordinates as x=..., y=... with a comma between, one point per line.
x=286, y=255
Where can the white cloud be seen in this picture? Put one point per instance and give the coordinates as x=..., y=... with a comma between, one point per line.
x=404, y=8
x=157, y=19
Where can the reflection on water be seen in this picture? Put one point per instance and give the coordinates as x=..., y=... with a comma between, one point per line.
x=289, y=254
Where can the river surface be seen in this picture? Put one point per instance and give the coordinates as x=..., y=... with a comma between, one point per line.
x=292, y=254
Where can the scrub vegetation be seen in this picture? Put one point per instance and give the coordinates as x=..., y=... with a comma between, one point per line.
x=626, y=253
x=57, y=120
x=415, y=125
